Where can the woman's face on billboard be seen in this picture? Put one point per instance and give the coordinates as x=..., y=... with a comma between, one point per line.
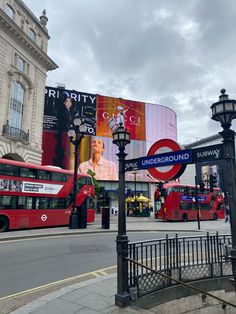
x=98, y=146
x=68, y=103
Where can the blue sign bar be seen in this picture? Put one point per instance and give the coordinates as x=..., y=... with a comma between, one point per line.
x=190, y=198
x=166, y=159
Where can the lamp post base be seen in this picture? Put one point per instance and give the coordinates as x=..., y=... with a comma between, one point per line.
x=82, y=217
x=74, y=221
x=122, y=300
x=233, y=262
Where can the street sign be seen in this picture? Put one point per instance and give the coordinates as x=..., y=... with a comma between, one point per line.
x=166, y=159
x=159, y=160
x=132, y=164
x=208, y=153
x=171, y=161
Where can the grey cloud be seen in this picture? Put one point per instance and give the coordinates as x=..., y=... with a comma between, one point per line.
x=177, y=53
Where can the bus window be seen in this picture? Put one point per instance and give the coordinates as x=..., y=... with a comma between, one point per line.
x=27, y=173
x=183, y=206
x=90, y=202
x=88, y=181
x=43, y=175
x=5, y=201
x=9, y=170
x=174, y=189
x=57, y=203
x=20, y=202
x=29, y=203
x=203, y=206
x=81, y=182
x=57, y=176
x=42, y=203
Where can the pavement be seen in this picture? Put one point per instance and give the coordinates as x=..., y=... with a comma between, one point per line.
x=96, y=295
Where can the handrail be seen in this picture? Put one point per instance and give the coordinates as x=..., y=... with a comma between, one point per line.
x=224, y=302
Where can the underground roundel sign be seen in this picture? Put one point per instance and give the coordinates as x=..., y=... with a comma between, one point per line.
x=166, y=173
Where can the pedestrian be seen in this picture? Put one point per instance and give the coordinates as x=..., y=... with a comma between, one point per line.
x=151, y=212
x=227, y=214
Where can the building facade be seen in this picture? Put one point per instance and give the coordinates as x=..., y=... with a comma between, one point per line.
x=23, y=66
x=202, y=170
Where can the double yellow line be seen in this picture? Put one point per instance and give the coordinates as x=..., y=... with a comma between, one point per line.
x=86, y=276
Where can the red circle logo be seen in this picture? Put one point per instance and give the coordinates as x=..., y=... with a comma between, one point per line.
x=167, y=172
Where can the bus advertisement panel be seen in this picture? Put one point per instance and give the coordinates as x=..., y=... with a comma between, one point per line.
x=40, y=196
x=146, y=123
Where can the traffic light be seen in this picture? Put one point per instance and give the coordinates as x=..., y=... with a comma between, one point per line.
x=202, y=187
x=164, y=192
x=213, y=182
x=161, y=189
x=159, y=186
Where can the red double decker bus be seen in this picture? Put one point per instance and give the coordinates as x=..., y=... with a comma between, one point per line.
x=34, y=196
x=176, y=202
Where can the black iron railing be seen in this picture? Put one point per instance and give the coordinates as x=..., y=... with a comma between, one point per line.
x=186, y=259
x=198, y=290
x=15, y=133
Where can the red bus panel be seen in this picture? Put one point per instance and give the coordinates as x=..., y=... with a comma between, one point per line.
x=34, y=196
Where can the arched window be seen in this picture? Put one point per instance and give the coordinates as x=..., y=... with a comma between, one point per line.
x=16, y=105
x=9, y=11
x=32, y=34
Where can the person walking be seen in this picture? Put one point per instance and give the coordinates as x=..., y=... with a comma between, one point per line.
x=227, y=214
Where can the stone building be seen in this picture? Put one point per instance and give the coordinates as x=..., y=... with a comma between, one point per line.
x=23, y=66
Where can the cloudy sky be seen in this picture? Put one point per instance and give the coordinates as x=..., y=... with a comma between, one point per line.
x=175, y=53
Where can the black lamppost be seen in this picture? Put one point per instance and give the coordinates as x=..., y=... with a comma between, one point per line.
x=224, y=111
x=75, y=133
x=135, y=191
x=121, y=138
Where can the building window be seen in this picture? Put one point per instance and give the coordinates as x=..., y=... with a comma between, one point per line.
x=32, y=34
x=16, y=105
x=9, y=11
x=21, y=64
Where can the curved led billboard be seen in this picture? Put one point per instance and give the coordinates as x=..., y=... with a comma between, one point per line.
x=146, y=122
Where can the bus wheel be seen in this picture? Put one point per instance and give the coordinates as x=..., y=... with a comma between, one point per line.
x=185, y=217
x=4, y=224
x=215, y=217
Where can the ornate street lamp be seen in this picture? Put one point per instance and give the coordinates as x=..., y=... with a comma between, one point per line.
x=121, y=138
x=76, y=133
x=224, y=111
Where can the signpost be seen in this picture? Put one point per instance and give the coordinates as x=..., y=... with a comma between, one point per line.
x=171, y=160
x=208, y=153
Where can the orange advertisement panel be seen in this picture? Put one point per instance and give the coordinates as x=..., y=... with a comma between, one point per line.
x=128, y=112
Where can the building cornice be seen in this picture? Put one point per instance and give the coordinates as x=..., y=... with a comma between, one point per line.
x=203, y=141
x=19, y=35
x=33, y=17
